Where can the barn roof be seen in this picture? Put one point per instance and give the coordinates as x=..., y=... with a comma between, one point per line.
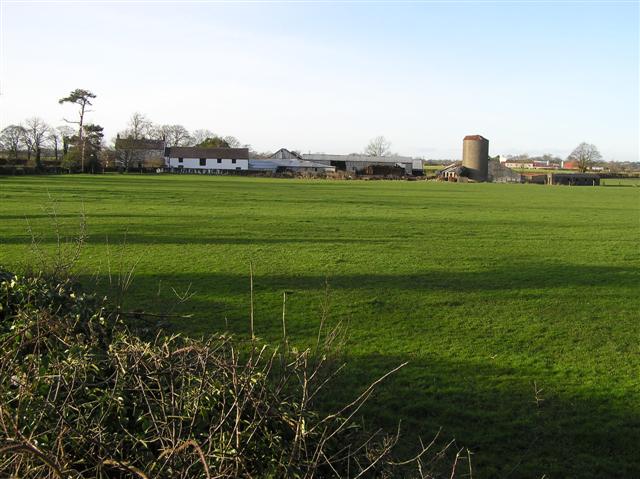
x=286, y=154
x=197, y=152
x=273, y=164
x=357, y=158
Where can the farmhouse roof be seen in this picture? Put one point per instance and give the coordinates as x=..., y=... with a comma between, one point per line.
x=475, y=137
x=139, y=144
x=197, y=152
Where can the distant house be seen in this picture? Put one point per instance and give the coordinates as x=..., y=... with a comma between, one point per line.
x=206, y=160
x=570, y=165
x=141, y=153
x=522, y=164
x=358, y=163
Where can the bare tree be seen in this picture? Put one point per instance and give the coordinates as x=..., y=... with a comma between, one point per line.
x=585, y=155
x=233, y=142
x=82, y=98
x=200, y=135
x=12, y=138
x=378, y=146
x=35, y=134
x=139, y=127
x=59, y=139
x=175, y=135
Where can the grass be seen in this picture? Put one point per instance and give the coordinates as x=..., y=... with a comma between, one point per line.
x=516, y=305
x=620, y=181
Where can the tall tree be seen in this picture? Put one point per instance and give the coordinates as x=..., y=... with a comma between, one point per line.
x=82, y=98
x=175, y=135
x=59, y=139
x=138, y=128
x=585, y=155
x=12, y=138
x=36, y=133
x=93, y=137
x=378, y=146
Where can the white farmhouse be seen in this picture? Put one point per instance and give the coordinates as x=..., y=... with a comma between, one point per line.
x=206, y=160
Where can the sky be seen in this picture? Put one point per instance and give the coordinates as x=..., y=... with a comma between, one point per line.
x=532, y=77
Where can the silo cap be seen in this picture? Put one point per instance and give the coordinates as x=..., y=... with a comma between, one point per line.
x=475, y=137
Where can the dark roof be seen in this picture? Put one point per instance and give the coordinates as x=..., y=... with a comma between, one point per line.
x=475, y=137
x=286, y=154
x=142, y=144
x=197, y=152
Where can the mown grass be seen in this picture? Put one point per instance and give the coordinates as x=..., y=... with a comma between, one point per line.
x=492, y=292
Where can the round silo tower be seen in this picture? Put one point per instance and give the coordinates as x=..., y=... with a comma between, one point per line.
x=475, y=157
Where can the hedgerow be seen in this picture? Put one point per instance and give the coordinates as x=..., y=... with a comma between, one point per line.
x=81, y=396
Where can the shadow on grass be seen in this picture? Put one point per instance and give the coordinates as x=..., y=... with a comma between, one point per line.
x=519, y=422
x=492, y=409
x=525, y=277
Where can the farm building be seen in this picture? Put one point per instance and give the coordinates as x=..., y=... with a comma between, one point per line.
x=453, y=172
x=358, y=164
x=500, y=173
x=475, y=157
x=139, y=153
x=534, y=178
x=284, y=154
x=573, y=179
x=274, y=165
x=475, y=161
x=193, y=159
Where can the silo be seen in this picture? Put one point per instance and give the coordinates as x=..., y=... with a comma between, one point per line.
x=475, y=157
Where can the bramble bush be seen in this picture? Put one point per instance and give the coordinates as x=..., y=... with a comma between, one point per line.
x=81, y=395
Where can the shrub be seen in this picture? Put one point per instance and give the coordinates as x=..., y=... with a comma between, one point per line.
x=82, y=396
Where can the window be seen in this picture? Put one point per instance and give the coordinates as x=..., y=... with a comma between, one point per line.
x=203, y=162
x=233, y=161
x=219, y=160
x=237, y=167
x=180, y=160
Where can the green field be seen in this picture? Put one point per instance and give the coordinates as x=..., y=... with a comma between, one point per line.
x=620, y=182
x=490, y=291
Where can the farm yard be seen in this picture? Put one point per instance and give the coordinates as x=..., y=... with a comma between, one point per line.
x=517, y=306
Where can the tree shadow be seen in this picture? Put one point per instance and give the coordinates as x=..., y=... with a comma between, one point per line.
x=516, y=422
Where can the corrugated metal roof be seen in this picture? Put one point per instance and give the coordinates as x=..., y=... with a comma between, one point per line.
x=274, y=164
x=357, y=158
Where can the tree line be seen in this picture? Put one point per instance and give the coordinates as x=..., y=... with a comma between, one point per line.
x=82, y=148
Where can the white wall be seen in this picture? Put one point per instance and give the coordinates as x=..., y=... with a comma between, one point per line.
x=211, y=164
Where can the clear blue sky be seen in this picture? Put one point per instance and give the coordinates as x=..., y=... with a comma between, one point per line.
x=326, y=77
